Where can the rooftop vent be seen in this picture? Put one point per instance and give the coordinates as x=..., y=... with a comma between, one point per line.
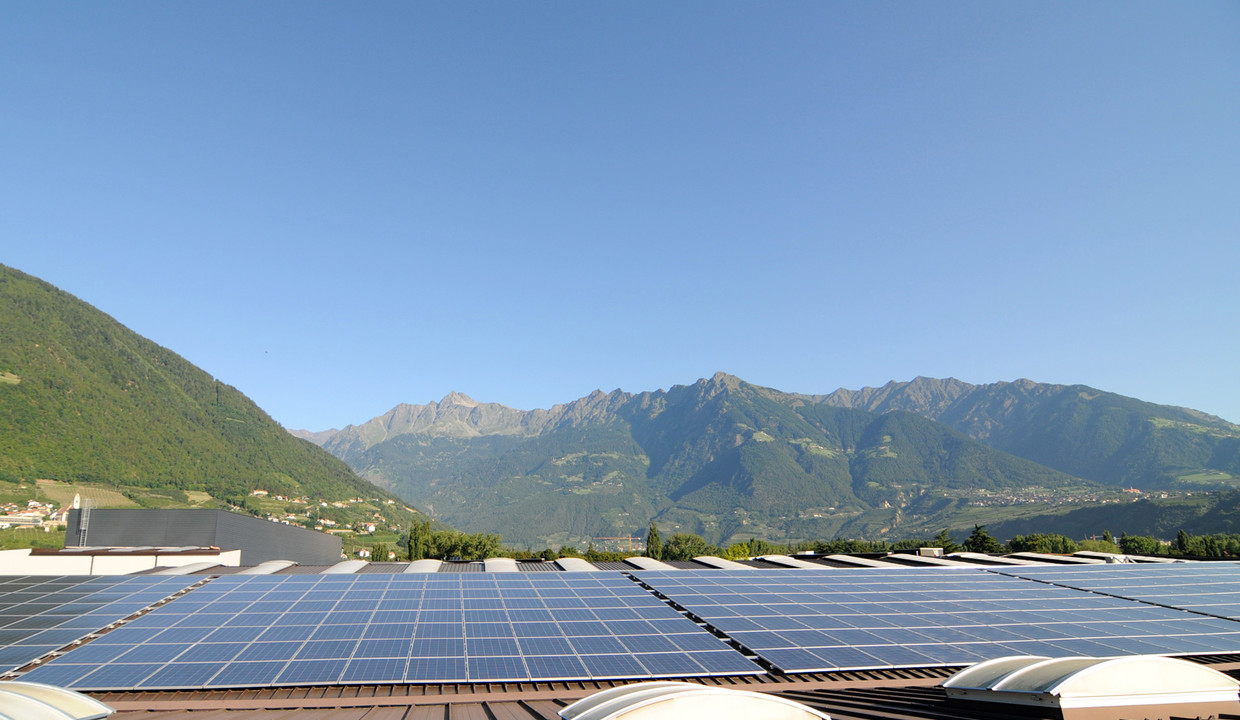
x=500, y=565
x=662, y=700
x=346, y=567
x=1085, y=688
x=573, y=564
x=425, y=565
x=269, y=567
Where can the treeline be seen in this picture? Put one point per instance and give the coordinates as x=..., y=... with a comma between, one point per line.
x=1184, y=545
x=423, y=542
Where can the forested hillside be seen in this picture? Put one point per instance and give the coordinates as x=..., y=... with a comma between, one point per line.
x=84, y=399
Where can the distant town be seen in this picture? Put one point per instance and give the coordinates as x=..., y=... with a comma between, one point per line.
x=33, y=514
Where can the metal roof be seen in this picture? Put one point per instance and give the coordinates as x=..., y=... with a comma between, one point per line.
x=910, y=694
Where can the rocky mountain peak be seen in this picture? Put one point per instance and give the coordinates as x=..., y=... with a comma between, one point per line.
x=455, y=398
x=718, y=383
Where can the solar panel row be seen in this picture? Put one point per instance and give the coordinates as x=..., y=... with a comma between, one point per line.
x=329, y=629
x=42, y=614
x=819, y=620
x=239, y=631
x=1212, y=588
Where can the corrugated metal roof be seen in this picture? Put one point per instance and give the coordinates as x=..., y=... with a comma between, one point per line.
x=877, y=695
x=414, y=702
x=609, y=565
x=537, y=566
x=459, y=567
x=686, y=565
x=384, y=568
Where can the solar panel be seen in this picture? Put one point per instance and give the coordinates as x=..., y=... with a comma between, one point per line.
x=820, y=620
x=243, y=631
x=1212, y=588
x=42, y=614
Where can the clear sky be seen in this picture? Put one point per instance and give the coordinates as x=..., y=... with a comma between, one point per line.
x=338, y=207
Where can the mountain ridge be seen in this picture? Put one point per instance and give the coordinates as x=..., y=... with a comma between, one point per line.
x=720, y=456
x=984, y=412
x=729, y=459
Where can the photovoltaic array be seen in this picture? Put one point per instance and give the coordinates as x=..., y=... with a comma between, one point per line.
x=819, y=620
x=338, y=629
x=1207, y=587
x=42, y=614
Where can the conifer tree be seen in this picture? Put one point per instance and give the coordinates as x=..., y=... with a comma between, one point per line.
x=980, y=541
x=654, y=544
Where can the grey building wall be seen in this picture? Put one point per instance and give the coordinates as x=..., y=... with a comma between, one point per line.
x=258, y=540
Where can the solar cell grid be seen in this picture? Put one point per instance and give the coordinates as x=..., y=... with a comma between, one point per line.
x=44, y=614
x=817, y=620
x=1212, y=588
x=426, y=629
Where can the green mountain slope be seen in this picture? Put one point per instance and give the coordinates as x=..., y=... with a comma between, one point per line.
x=721, y=457
x=1077, y=429
x=1196, y=514
x=84, y=399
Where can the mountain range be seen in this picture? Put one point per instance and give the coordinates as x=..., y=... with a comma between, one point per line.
x=85, y=401
x=731, y=460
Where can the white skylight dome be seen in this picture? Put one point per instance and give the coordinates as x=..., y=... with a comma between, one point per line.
x=1084, y=682
x=35, y=701
x=662, y=700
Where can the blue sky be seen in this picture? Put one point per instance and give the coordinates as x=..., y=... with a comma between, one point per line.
x=340, y=207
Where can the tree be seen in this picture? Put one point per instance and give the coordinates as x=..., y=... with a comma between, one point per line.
x=944, y=540
x=417, y=546
x=1139, y=545
x=1043, y=543
x=980, y=541
x=1181, y=542
x=686, y=546
x=654, y=544
x=1098, y=546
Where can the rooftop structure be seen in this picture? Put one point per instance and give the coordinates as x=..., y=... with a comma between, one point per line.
x=258, y=540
